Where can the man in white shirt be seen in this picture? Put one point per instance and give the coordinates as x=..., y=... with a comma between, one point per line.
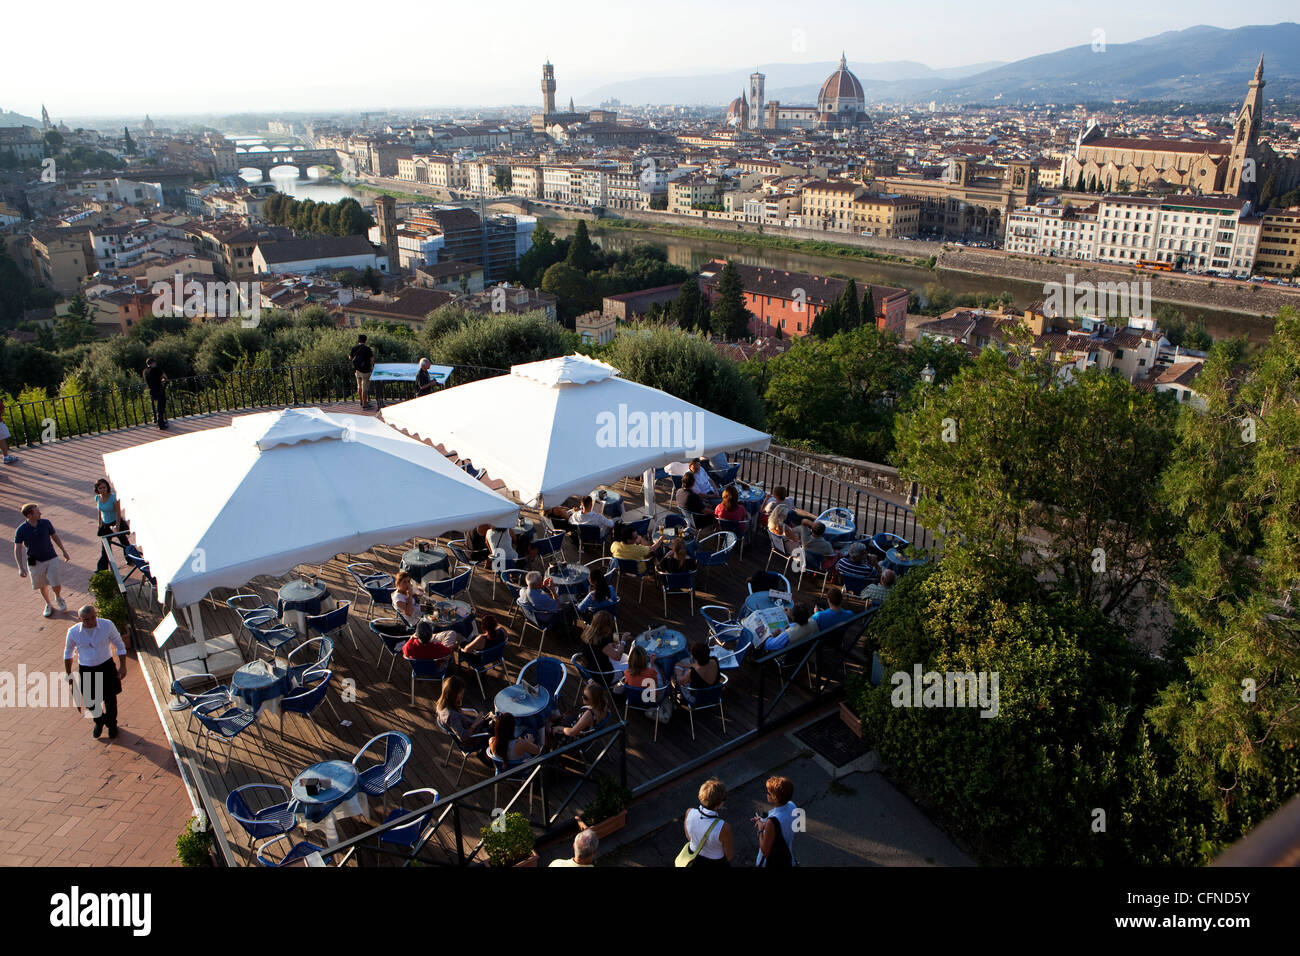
x=704, y=486
x=585, y=845
x=502, y=543
x=586, y=513
x=101, y=665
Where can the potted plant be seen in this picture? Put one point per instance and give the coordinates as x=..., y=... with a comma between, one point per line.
x=110, y=603
x=194, y=845
x=855, y=687
x=508, y=841
x=607, y=811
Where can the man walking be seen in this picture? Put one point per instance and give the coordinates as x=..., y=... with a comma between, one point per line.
x=101, y=665
x=363, y=363
x=34, y=543
x=156, y=379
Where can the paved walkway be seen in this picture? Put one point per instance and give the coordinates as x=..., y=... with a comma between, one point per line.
x=67, y=799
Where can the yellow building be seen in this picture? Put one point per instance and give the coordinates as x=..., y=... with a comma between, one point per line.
x=1279, y=243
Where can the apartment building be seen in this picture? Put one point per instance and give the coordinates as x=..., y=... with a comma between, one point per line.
x=688, y=193
x=1278, y=253
x=1186, y=232
x=1052, y=229
x=526, y=181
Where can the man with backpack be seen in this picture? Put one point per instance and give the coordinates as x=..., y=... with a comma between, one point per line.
x=363, y=363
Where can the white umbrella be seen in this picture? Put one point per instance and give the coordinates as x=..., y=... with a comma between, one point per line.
x=563, y=426
x=275, y=490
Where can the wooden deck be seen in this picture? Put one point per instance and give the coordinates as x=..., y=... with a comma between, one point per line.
x=264, y=755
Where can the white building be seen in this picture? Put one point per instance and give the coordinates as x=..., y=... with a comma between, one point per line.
x=324, y=254
x=1050, y=229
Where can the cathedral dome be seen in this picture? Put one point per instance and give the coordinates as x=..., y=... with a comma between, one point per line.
x=840, y=85
x=738, y=112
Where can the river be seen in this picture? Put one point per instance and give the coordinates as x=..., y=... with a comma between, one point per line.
x=318, y=186
x=691, y=253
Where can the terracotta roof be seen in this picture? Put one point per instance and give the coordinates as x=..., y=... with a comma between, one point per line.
x=1163, y=145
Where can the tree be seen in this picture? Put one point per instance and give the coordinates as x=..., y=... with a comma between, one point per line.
x=1079, y=184
x=128, y=144
x=689, y=306
x=75, y=327
x=53, y=140
x=575, y=291
x=828, y=322
x=545, y=252
x=729, y=318
x=503, y=179
x=582, y=256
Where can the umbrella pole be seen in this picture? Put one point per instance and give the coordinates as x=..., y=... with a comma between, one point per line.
x=194, y=614
x=648, y=491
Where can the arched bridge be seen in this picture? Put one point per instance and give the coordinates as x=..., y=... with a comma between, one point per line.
x=267, y=160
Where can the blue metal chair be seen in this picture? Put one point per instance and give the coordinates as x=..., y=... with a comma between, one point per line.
x=331, y=622
x=640, y=526
x=393, y=634
x=545, y=672
x=378, y=584
x=217, y=718
x=715, y=550
x=460, y=550
x=740, y=529
x=410, y=834
x=771, y=581
x=608, y=567
x=587, y=610
x=675, y=519
x=480, y=662
x=248, y=604
x=677, y=582
x=377, y=780
x=274, y=638
x=630, y=567
x=731, y=658
x=806, y=563
x=430, y=670
x=542, y=620
x=726, y=476
x=606, y=679
x=194, y=689
x=782, y=548
x=589, y=534
x=882, y=541
x=275, y=820
x=549, y=545
x=477, y=744
x=317, y=652
x=467, y=466
x=138, y=564
x=457, y=584
x=644, y=699
x=718, y=617
x=296, y=854
x=704, y=698
x=503, y=768
x=315, y=688
x=855, y=577
x=513, y=579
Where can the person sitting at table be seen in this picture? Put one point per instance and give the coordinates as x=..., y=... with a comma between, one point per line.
x=800, y=626
x=504, y=745
x=462, y=721
x=586, y=513
x=678, y=560
x=501, y=542
x=537, y=595
x=811, y=535
x=422, y=647
x=780, y=497
x=687, y=500
x=601, y=645
x=835, y=614
x=878, y=593
x=599, y=593
x=696, y=672
x=641, y=673
x=764, y=581
x=478, y=544
x=630, y=546
x=407, y=596
x=595, y=710
x=730, y=508
x=490, y=634
x=700, y=479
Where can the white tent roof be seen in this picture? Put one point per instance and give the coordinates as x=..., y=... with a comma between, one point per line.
x=275, y=490
x=562, y=426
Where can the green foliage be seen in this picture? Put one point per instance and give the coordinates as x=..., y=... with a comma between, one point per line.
x=685, y=366
x=500, y=341
x=576, y=292
x=343, y=218
x=729, y=318
x=1180, y=331
x=689, y=310
x=75, y=327
x=508, y=839
x=610, y=800
x=110, y=604
x=583, y=255
x=193, y=847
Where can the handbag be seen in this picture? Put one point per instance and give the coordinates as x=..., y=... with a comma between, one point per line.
x=684, y=856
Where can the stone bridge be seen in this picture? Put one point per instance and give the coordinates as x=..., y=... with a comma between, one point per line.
x=303, y=158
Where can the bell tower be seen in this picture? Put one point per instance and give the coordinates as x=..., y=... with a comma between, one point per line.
x=548, y=87
x=756, y=112
x=1243, y=176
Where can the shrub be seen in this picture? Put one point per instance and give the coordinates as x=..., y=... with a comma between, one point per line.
x=610, y=800
x=110, y=603
x=193, y=847
x=508, y=839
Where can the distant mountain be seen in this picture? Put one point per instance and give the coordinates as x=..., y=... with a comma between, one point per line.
x=722, y=88
x=1198, y=64
x=17, y=119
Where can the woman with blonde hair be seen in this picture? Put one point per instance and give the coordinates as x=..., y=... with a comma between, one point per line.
x=706, y=830
x=600, y=644
x=406, y=598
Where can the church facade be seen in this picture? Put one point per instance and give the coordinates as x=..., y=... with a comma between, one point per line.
x=841, y=105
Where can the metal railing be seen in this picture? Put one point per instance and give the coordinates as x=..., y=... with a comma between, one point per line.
x=91, y=413
x=816, y=492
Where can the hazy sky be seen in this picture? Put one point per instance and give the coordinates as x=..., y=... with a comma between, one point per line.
x=157, y=56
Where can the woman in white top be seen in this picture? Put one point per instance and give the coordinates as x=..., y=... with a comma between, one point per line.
x=406, y=598
x=705, y=828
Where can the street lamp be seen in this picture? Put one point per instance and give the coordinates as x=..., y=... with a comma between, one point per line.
x=927, y=374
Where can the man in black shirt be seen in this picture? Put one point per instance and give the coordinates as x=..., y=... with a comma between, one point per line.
x=423, y=380
x=363, y=363
x=156, y=379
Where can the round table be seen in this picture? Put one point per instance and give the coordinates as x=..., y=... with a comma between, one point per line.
x=451, y=616
x=895, y=561
x=570, y=582
x=608, y=501
x=837, y=533
x=751, y=498
x=882, y=541
x=298, y=599
x=418, y=564
x=758, y=601
x=339, y=795
x=528, y=710
x=524, y=531
x=670, y=649
x=677, y=531
x=258, y=683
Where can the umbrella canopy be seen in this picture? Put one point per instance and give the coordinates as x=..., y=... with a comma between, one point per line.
x=562, y=426
x=271, y=491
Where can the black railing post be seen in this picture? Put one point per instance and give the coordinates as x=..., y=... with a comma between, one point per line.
x=762, y=698
x=460, y=838
x=293, y=386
